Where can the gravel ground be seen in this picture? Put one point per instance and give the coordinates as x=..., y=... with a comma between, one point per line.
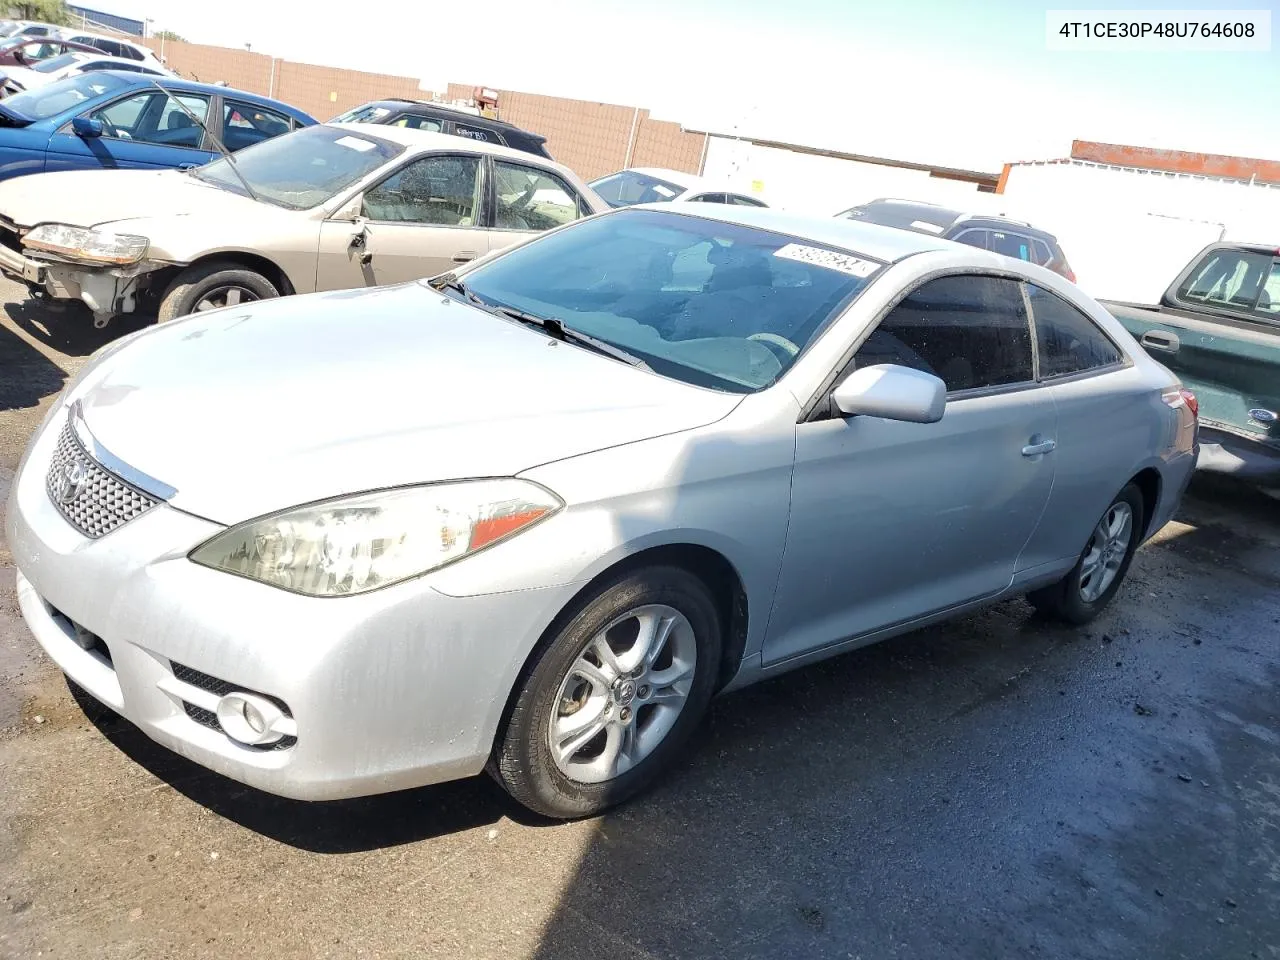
x=993, y=788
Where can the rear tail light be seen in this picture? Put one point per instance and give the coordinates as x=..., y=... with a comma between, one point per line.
x=1192, y=402
x=1182, y=397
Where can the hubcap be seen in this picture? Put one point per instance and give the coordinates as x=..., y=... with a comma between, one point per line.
x=1106, y=551
x=623, y=693
x=228, y=296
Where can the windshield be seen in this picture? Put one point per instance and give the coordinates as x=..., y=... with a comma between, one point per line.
x=62, y=95
x=302, y=169
x=709, y=303
x=57, y=63
x=628, y=187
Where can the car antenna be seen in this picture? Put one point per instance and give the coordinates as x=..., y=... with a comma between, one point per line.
x=216, y=142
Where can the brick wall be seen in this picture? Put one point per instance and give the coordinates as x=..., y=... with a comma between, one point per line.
x=590, y=138
x=325, y=92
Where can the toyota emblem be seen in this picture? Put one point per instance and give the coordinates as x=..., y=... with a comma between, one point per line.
x=71, y=483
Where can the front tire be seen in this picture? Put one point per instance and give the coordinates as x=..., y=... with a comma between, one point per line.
x=613, y=695
x=209, y=286
x=1084, y=592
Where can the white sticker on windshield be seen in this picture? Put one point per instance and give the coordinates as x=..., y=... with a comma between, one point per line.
x=355, y=143
x=662, y=191
x=927, y=227
x=830, y=259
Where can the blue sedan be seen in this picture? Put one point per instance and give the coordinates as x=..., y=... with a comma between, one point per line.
x=111, y=118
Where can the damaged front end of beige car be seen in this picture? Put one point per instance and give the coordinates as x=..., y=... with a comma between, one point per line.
x=60, y=262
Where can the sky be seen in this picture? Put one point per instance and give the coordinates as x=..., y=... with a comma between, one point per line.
x=949, y=82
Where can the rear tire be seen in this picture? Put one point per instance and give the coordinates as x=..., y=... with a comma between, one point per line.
x=208, y=286
x=589, y=730
x=1085, y=592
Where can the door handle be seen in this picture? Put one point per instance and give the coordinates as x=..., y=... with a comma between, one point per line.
x=464, y=256
x=1035, y=449
x=1161, y=341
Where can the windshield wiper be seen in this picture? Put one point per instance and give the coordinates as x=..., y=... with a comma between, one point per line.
x=450, y=281
x=557, y=329
x=552, y=325
x=216, y=142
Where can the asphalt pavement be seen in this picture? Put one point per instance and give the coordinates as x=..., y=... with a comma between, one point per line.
x=997, y=787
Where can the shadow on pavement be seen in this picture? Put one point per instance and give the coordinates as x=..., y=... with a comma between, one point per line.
x=334, y=827
x=68, y=327
x=29, y=376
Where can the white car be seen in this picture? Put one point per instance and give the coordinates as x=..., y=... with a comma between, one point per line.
x=17, y=79
x=27, y=28
x=115, y=47
x=655, y=185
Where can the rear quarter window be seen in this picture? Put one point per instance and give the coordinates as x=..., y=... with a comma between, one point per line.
x=1067, y=341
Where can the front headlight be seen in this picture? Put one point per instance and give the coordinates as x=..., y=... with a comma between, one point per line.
x=78, y=243
x=356, y=544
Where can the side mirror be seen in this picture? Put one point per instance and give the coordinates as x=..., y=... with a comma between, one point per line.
x=85, y=127
x=892, y=392
x=350, y=210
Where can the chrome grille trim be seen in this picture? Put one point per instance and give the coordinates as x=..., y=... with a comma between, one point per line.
x=104, y=501
x=113, y=464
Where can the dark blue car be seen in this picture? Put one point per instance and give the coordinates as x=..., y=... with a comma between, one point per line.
x=110, y=118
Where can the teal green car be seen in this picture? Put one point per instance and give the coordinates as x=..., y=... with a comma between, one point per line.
x=1218, y=328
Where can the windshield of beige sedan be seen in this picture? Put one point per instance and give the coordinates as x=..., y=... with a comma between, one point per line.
x=302, y=169
x=708, y=302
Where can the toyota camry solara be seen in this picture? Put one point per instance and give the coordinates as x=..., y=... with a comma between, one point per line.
x=532, y=515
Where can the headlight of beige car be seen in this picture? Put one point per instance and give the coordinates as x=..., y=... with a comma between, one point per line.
x=93, y=246
x=357, y=544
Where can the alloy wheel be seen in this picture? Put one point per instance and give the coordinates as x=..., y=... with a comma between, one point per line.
x=623, y=693
x=229, y=295
x=1108, y=546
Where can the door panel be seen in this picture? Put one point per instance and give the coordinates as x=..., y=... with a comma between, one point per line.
x=392, y=252
x=892, y=521
x=423, y=219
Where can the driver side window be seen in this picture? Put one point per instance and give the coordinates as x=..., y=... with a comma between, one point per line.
x=439, y=191
x=155, y=118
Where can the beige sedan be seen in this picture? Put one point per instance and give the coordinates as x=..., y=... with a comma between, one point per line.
x=324, y=208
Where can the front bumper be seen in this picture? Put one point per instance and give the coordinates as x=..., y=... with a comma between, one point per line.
x=106, y=290
x=17, y=267
x=392, y=689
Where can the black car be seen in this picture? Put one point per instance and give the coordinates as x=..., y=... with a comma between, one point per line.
x=424, y=115
x=1013, y=238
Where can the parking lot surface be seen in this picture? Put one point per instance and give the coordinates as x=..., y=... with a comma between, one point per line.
x=996, y=787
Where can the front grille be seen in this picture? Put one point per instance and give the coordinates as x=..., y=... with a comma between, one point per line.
x=206, y=718
x=89, y=497
x=219, y=688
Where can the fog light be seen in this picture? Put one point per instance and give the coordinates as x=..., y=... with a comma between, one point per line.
x=250, y=719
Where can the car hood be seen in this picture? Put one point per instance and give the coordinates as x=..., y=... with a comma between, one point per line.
x=248, y=411
x=30, y=79
x=89, y=198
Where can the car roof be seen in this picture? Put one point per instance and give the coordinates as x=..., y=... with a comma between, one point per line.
x=869, y=239
x=191, y=86
x=945, y=217
x=427, y=139
x=393, y=102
